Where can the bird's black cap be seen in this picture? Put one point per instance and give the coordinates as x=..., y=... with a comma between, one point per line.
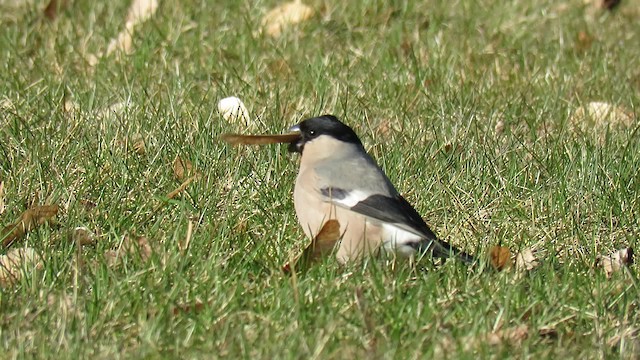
x=322, y=125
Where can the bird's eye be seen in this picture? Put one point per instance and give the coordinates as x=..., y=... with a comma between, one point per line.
x=312, y=133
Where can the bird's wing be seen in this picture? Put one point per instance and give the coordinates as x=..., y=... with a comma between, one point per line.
x=394, y=210
x=357, y=183
x=386, y=209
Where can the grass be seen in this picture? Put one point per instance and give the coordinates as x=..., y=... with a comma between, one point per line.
x=423, y=83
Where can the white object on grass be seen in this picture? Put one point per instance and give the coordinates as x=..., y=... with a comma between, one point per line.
x=233, y=110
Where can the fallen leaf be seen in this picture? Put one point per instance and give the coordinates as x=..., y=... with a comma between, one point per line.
x=233, y=110
x=182, y=168
x=138, y=144
x=88, y=205
x=584, y=41
x=388, y=127
x=597, y=116
x=143, y=247
x=2, y=207
x=450, y=148
x=70, y=107
x=139, y=12
x=321, y=246
x=324, y=242
x=114, y=110
x=123, y=42
x=548, y=332
x=513, y=335
x=616, y=261
x=82, y=236
x=14, y=261
x=238, y=139
x=285, y=15
x=54, y=7
x=92, y=59
x=499, y=128
x=7, y=104
x=500, y=257
x=626, y=337
x=29, y=219
x=525, y=260
x=189, y=308
x=609, y=4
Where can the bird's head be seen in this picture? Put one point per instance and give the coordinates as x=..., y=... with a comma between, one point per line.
x=317, y=127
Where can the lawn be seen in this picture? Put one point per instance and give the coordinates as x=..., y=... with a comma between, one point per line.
x=478, y=112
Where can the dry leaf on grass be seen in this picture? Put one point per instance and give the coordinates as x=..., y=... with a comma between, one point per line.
x=54, y=7
x=609, y=4
x=450, y=148
x=233, y=110
x=139, y=12
x=616, y=261
x=2, y=207
x=384, y=128
x=70, y=108
x=114, y=110
x=602, y=4
x=29, y=219
x=82, y=236
x=123, y=42
x=183, y=169
x=16, y=260
x=500, y=257
x=323, y=243
x=624, y=339
x=549, y=332
x=189, y=308
x=597, y=116
x=388, y=127
x=138, y=144
x=512, y=336
x=321, y=246
x=130, y=246
x=499, y=128
x=583, y=41
x=285, y=15
x=143, y=247
x=6, y=104
x=525, y=260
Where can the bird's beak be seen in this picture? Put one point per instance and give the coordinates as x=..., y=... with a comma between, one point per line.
x=298, y=144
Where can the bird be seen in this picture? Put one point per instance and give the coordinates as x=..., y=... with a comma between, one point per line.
x=338, y=179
